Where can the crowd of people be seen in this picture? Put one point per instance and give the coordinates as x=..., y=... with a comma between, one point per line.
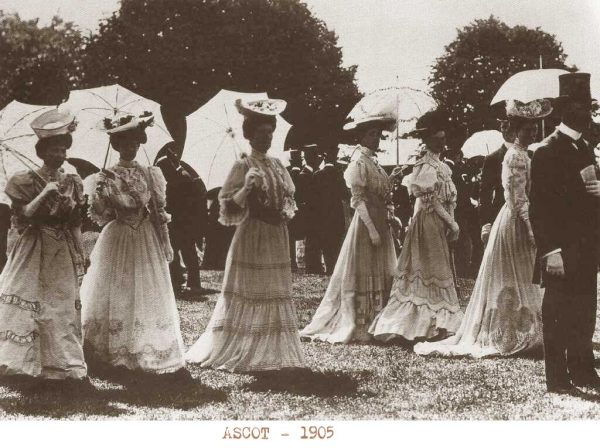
x=393, y=243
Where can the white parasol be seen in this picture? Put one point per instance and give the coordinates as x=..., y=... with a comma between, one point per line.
x=482, y=143
x=530, y=85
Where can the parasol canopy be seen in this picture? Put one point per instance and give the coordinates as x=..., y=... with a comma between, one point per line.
x=530, y=85
x=482, y=143
x=91, y=106
x=215, y=139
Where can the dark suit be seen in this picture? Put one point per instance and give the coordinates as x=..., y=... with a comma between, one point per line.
x=295, y=226
x=491, y=193
x=564, y=216
x=308, y=198
x=331, y=191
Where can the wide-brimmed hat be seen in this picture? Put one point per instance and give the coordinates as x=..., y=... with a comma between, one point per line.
x=53, y=122
x=385, y=121
x=122, y=122
x=264, y=107
x=430, y=123
x=575, y=87
x=533, y=110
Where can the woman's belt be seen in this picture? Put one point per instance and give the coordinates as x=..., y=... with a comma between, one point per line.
x=269, y=215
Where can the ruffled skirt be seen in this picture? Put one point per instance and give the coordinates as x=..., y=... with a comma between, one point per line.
x=130, y=317
x=504, y=314
x=423, y=300
x=254, y=325
x=40, y=321
x=358, y=289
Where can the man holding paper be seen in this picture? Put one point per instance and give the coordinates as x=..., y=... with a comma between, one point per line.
x=564, y=211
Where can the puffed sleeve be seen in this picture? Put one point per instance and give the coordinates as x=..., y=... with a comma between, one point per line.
x=21, y=190
x=423, y=181
x=231, y=213
x=99, y=209
x=158, y=191
x=356, y=179
x=515, y=174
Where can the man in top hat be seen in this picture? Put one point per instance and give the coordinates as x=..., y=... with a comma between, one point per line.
x=564, y=205
x=307, y=199
x=295, y=226
x=331, y=192
x=491, y=193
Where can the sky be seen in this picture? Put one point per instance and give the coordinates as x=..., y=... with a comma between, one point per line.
x=395, y=42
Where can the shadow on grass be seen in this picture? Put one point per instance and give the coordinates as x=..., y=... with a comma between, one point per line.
x=56, y=400
x=177, y=390
x=306, y=382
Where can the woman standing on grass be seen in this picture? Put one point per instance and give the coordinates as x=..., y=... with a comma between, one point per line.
x=253, y=327
x=423, y=302
x=129, y=312
x=504, y=314
x=40, y=321
x=363, y=274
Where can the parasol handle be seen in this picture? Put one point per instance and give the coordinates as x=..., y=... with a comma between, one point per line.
x=20, y=158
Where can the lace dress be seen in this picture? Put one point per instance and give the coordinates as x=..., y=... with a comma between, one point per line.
x=504, y=314
x=130, y=316
x=423, y=300
x=362, y=277
x=40, y=320
x=254, y=325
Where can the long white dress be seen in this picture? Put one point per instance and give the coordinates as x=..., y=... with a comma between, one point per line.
x=254, y=325
x=129, y=312
x=504, y=314
x=362, y=278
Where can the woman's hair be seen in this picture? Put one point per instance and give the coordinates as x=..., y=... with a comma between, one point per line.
x=137, y=135
x=43, y=144
x=252, y=122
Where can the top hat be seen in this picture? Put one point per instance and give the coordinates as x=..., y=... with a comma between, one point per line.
x=575, y=87
x=53, y=122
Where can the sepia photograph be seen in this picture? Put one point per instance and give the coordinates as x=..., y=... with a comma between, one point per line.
x=283, y=219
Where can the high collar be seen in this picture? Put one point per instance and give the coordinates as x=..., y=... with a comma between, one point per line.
x=50, y=173
x=128, y=163
x=368, y=152
x=432, y=154
x=573, y=134
x=517, y=146
x=258, y=155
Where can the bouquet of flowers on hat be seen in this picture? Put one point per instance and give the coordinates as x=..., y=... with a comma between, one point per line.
x=125, y=121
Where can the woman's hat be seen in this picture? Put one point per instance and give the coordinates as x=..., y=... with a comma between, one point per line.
x=387, y=123
x=532, y=110
x=53, y=122
x=430, y=123
x=122, y=122
x=267, y=106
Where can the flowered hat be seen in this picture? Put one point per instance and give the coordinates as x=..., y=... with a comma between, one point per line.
x=532, y=110
x=268, y=106
x=125, y=122
x=53, y=122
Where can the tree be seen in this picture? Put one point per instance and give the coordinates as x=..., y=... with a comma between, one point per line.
x=181, y=52
x=39, y=64
x=484, y=55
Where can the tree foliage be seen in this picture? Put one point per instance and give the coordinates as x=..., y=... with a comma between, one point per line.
x=182, y=52
x=39, y=64
x=474, y=66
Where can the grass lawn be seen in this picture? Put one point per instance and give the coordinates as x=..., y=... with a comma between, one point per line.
x=346, y=382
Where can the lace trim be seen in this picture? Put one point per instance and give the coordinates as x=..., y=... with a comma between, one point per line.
x=237, y=328
x=419, y=298
x=11, y=299
x=260, y=266
x=135, y=360
x=257, y=298
x=425, y=281
x=9, y=335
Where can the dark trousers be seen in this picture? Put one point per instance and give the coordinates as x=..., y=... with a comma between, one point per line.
x=183, y=242
x=331, y=244
x=293, y=253
x=569, y=320
x=312, y=254
x=4, y=228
